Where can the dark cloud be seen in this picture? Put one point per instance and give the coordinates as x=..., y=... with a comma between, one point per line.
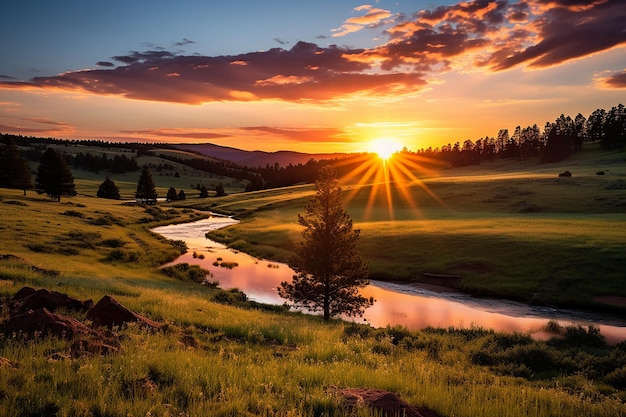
x=176, y=133
x=105, y=64
x=499, y=35
x=617, y=80
x=61, y=127
x=135, y=57
x=7, y=77
x=184, y=42
x=304, y=72
x=280, y=41
x=46, y=121
x=572, y=29
x=300, y=135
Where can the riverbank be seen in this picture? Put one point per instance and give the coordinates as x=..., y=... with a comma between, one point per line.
x=415, y=306
x=523, y=235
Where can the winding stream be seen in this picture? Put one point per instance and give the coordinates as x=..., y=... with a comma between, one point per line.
x=396, y=304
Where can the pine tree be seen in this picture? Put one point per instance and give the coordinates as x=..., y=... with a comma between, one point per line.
x=204, y=193
x=181, y=195
x=329, y=267
x=146, y=190
x=219, y=190
x=14, y=169
x=171, y=194
x=108, y=189
x=54, y=177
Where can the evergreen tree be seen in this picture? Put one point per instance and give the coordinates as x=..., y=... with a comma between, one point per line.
x=108, y=189
x=329, y=267
x=54, y=177
x=146, y=190
x=171, y=194
x=181, y=195
x=219, y=190
x=204, y=193
x=14, y=169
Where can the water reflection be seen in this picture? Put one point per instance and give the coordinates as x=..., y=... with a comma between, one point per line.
x=403, y=305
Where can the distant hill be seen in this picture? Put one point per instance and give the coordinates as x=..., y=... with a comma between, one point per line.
x=256, y=158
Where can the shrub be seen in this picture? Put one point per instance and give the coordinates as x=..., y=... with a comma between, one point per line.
x=113, y=243
x=234, y=297
x=179, y=244
x=73, y=213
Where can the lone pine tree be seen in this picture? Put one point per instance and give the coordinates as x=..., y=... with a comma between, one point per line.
x=328, y=264
x=146, y=190
x=108, y=189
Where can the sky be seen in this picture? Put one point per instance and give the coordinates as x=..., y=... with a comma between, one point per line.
x=322, y=76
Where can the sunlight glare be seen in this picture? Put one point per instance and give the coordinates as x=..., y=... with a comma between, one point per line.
x=385, y=147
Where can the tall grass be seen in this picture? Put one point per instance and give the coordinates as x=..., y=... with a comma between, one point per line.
x=221, y=360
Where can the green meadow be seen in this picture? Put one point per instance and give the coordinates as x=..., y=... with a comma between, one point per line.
x=521, y=233
x=514, y=231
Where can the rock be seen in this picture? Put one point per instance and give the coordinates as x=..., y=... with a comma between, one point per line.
x=109, y=312
x=383, y=402
x=105, y=344
x=42, y=321
x=29, y=299
x=565, y=174
x=6, y=363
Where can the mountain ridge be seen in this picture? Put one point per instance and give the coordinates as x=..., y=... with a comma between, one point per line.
x=256, y=158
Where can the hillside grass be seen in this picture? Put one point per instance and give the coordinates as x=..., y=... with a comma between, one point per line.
x=516, y=232
x=217, y=359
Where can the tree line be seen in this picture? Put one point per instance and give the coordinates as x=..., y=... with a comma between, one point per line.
x=555, y=142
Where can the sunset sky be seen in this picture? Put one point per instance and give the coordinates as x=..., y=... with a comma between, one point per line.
x=318, y=76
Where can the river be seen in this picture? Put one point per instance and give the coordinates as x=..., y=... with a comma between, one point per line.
x=396, y=304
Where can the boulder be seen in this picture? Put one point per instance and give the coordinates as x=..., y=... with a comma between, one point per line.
x=109, y=312
x=43, y=322
x=30, y=299
x=383, y=402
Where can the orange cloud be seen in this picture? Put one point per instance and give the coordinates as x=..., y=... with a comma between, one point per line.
x=372, y=18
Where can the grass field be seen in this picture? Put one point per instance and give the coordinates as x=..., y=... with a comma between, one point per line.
x=219, y=356
x=515, y=231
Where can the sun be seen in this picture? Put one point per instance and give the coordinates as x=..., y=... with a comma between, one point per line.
x=384, y=147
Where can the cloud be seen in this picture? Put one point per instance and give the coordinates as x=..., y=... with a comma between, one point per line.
x=617, y=80
x=478, y=35
x=184, y=42
x=45, y=121
x=306, y=72
x=280, y=41
x=373, y=17
x=177, y=133
x=309, y=135
x=498, y=35
x=6, y=77
x=570, y=29
x=31, y=130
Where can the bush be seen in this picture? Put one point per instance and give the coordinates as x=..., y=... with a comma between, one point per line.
x=233, y=297
x=120, y=255
x=73, y=213
x=185, y=271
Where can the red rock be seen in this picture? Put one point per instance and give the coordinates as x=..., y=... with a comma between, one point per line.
x=41, y=321
x=109, y=312
x=385, y=403
x=29, y=299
